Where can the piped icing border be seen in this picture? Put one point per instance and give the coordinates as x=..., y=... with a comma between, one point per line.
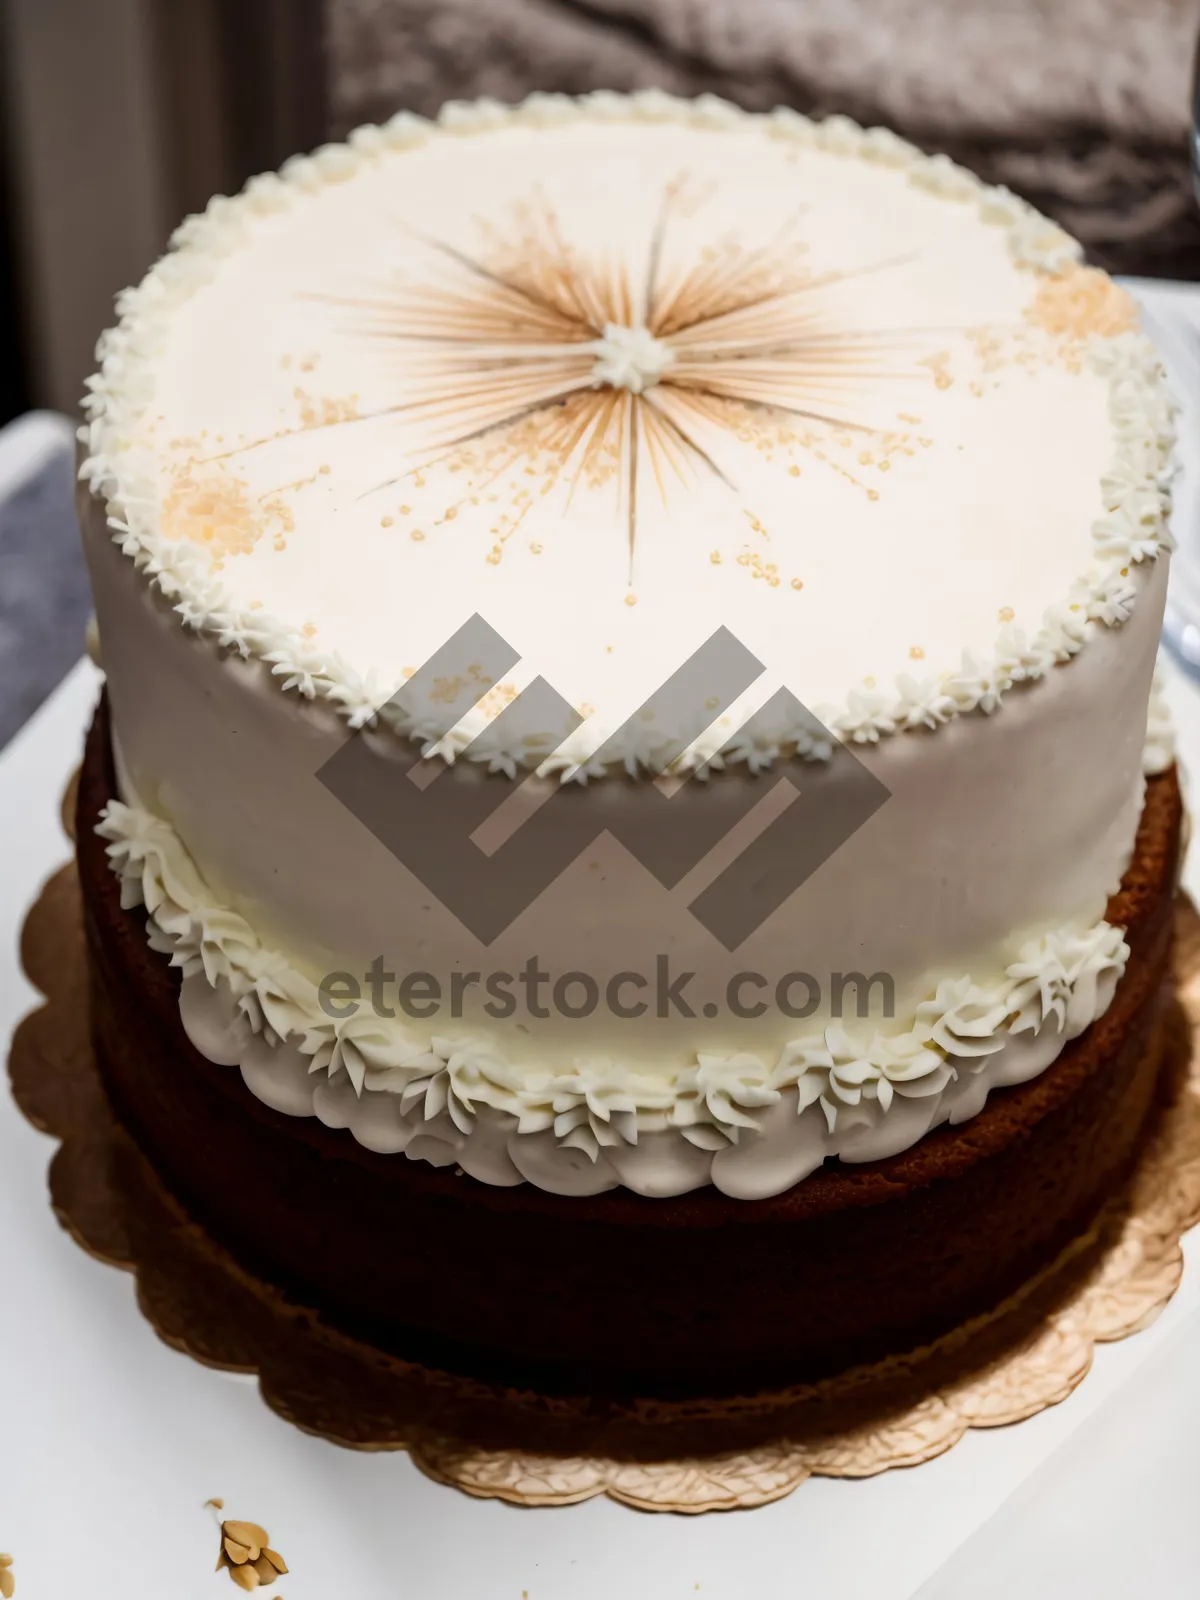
x=749, y=1125
x=1158, y=751
x=1136, y=489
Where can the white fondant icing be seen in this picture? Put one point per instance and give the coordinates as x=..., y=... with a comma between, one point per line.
x=91, y=642
x=165, y=354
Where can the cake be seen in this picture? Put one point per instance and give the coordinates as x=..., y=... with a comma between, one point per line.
x=630, y=842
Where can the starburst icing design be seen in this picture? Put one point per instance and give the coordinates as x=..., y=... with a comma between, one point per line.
x=588, y=366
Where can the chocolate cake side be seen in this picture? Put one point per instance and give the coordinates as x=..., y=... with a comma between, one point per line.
x=616, y=1294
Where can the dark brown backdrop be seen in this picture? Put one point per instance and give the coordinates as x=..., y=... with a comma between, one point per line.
x=1081, y=105
x=122, y=115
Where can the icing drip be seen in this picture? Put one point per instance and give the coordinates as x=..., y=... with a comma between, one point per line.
x=752, y=1126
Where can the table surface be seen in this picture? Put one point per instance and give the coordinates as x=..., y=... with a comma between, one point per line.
x=110, y=1442
x=44, y=596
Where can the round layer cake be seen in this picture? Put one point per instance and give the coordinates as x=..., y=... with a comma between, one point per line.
x=619, y=1296
x=613, y=858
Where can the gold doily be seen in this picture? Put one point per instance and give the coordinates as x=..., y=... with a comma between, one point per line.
x=1028, y=1355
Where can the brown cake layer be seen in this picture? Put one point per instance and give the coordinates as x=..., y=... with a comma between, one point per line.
x=617, y=1294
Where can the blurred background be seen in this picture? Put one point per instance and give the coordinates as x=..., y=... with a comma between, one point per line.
x=117, y=117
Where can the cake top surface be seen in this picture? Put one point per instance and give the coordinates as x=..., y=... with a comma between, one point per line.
x=614, y=375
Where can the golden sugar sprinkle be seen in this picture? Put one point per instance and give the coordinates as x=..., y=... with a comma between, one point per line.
x=447, y=690
x=212, y=506
x=937, y=365
x=1080, y=303
x=737, y=336
x=318, y=411
x=760, y=568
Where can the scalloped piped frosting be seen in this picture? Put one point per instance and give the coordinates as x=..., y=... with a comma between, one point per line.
x=1159, y=751
x=751, y=1125
x=284, y=438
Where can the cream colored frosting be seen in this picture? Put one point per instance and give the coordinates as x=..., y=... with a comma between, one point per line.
x=992, y=595
x=1159, y=753
x=854, y=345
x=750, y=1125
